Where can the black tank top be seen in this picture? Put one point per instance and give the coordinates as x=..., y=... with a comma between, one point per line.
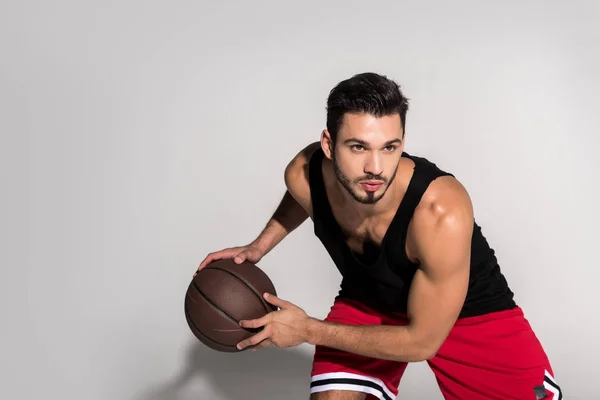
x=383, y=279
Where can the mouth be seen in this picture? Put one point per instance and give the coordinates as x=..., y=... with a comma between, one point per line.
x=371, y=186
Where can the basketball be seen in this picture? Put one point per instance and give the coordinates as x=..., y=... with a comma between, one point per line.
x=222, y=294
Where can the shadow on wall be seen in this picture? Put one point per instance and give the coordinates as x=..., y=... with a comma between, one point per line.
x=268, y=373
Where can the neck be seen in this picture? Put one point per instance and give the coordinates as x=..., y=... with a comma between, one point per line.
x=387, y=204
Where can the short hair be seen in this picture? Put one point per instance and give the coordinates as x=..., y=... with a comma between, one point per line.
x=368, y=93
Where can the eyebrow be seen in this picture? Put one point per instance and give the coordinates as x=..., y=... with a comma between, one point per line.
x=364, y=143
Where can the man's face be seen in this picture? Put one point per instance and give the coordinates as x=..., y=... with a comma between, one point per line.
x=367, y=154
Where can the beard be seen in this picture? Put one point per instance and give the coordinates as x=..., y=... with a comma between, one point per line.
x=368, y=197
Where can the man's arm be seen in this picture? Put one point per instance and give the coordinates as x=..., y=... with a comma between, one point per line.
x=441, y=234
x=288, y=216
x=293, y=209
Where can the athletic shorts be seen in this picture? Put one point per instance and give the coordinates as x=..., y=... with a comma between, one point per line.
x=495, y=356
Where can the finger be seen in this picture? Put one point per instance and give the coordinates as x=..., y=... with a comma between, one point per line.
x=256, y=323
x=262, y=345
x=241, y=257
x=218, y=255
x=255, y=339
x=210, y=258
x=276, y=301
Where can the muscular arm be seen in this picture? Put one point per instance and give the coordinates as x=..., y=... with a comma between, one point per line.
x=294, y=208
x=440, y=286
x=288, y=216
x=442, y=238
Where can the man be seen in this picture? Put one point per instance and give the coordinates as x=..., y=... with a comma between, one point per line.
x=420, y=282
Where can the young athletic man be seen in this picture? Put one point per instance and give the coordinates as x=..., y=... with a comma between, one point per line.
x=420, y=282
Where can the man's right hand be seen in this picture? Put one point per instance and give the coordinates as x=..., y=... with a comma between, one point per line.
x=239, y=254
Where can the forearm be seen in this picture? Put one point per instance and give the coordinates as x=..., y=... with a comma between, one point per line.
x=288, y=216
x=394, y=343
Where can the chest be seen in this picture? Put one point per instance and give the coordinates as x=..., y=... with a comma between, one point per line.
x=364, y=237
x=363, y=234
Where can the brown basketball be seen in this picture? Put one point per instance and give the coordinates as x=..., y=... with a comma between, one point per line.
x=222, y=294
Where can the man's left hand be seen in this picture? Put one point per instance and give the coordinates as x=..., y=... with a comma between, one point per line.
x=286, y=327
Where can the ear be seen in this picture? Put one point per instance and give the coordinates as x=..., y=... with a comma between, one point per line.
x=326, y=143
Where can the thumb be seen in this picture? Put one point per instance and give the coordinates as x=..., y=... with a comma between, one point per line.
x=241, y=257
x=276, y=301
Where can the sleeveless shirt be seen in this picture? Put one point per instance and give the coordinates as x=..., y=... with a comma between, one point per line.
x=384, y=280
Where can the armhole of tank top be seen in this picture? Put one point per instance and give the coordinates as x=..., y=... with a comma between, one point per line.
x=423, y=176
x=322, y=212
x=315, y=182
x=407, y=206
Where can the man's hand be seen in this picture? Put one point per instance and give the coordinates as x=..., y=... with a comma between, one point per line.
x=287, y=327
x=239, y=254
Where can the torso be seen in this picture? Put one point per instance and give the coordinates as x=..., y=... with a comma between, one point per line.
x=365, y=234
x=376, y=255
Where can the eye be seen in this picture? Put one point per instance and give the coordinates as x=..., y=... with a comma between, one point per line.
x=357, y=147
x=390, y=148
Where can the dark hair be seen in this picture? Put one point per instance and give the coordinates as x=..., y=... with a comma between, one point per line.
x=368, y=93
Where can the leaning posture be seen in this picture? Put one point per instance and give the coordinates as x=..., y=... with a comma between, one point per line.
x=419, y=279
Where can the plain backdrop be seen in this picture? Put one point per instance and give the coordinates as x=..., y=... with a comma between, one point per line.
x=137, y=136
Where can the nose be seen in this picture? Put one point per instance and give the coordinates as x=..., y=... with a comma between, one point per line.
x=374, y=164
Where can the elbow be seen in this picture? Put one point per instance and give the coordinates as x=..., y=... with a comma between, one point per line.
x=428, y=353
x=416, y=347
x=426, y=349
x=417, y=355
x=424, y=353
x=430, y=348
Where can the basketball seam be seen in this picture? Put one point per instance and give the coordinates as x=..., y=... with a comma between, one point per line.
x=191, y=321
x=213, y=305
x=262, y=301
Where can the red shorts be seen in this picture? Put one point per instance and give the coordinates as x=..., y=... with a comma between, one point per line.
x=494, y=356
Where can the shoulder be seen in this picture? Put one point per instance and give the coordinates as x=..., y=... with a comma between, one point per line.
x=296, y=176
x=298, y=165
x=444, y=217
x=446, y=197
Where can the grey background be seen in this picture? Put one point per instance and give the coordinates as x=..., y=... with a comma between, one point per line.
x=137, y=136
